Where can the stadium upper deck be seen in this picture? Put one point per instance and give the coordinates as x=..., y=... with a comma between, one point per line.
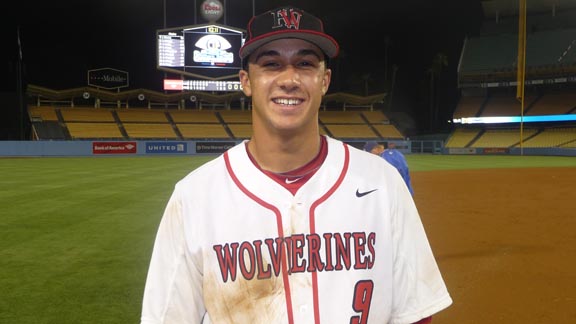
x=490, y=59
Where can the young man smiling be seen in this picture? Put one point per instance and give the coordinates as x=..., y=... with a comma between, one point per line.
x=291, y=226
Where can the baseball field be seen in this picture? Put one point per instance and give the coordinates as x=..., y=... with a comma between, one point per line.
x=76, y=235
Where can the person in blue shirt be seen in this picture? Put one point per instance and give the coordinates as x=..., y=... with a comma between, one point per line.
x=394, y=157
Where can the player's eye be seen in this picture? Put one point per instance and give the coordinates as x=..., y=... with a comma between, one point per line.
x=269, y=64
x=311, y=63
x=306, y=63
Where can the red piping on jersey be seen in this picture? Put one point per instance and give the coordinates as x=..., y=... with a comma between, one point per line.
x=276, y=212
x=313, y=228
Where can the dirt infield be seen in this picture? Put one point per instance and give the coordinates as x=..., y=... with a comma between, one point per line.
x=505, y=241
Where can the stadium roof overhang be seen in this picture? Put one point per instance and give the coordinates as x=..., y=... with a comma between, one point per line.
x=159, y=97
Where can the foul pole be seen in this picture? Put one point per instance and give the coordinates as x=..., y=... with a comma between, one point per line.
x=521, y=68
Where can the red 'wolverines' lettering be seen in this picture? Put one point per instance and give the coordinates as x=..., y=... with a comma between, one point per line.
x=303, y=253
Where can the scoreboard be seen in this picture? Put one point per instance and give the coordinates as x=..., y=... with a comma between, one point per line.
x=211, y=46
x=171, y=50
x=205, y=51
x=202, y=85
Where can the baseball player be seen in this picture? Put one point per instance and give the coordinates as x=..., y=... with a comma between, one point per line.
x=394, y=157
x=291, y=226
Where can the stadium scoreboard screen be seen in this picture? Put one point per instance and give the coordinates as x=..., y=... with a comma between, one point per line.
x=202, y=85
x=208, y=51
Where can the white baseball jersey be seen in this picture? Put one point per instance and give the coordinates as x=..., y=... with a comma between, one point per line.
x=234, y=246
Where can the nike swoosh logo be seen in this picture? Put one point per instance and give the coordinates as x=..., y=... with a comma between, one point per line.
x=288, y=181
x=362, y=194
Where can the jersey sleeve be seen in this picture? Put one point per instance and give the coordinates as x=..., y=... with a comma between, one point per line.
x=419, y=289
x=173, y=290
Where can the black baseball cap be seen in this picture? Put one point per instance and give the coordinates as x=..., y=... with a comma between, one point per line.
x=287, y=22
x=370, y=145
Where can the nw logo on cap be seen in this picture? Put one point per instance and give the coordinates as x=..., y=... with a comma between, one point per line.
x=287, y=18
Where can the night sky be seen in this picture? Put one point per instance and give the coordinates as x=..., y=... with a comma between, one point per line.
x=62, y=40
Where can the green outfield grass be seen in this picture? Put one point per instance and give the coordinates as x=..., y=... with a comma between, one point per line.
x=77, y=233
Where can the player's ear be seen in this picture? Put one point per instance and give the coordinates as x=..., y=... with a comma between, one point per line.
x=326, y=81
x=245, y=82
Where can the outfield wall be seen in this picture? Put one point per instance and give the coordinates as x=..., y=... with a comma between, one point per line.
x=127, y=148
x=111, y=148
x=552, y=151
x=210, y=147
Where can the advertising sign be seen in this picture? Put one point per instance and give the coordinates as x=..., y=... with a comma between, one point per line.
x=107, y=78
x=166, y=147
x=114, y=148
x=213, y=147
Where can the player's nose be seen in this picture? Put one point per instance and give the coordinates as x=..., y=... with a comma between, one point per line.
x=289, y=78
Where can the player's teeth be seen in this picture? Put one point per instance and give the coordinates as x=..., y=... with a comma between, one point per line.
x=287, y=101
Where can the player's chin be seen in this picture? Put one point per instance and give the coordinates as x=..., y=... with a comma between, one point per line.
x=287, y=128
x=289, y=124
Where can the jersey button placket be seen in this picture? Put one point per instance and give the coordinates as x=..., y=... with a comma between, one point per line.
x=298, y=219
